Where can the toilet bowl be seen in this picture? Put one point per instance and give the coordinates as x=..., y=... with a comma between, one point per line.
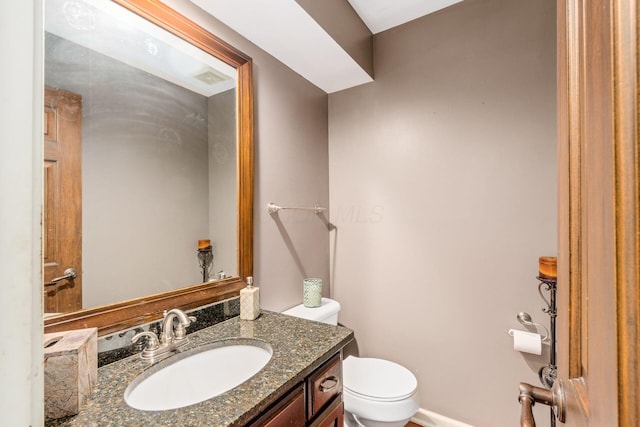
x=376, y=392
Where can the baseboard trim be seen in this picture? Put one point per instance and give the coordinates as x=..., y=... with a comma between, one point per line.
x=431, y=419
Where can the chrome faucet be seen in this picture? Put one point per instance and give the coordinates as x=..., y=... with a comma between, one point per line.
x=179, y=334
x=170, y=337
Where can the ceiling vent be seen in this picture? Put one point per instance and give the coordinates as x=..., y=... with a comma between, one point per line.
x=211, y=76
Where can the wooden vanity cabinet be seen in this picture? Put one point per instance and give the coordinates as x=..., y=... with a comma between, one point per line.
x=316, y=402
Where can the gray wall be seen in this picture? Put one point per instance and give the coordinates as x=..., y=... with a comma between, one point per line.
x=443, y=194
x=223, y=182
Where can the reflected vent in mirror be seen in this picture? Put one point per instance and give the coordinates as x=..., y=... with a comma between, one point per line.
x=211, y=76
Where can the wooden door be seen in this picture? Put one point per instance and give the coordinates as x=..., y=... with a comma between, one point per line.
x=62, y=216
x=598, y=257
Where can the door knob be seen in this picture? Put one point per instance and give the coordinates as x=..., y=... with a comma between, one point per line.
x=69, y=274
x=530, y=395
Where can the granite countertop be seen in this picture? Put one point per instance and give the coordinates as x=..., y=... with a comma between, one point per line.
x=299, y=346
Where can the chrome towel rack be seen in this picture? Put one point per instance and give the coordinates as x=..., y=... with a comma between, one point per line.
x=272, y=208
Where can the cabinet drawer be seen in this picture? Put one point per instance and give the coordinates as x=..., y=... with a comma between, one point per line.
x=323, y=385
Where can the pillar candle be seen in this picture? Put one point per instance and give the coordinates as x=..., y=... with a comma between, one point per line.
x=548, y=267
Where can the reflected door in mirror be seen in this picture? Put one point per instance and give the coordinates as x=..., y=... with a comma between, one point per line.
x=62, y=216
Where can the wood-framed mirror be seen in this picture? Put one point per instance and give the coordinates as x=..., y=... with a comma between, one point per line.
x=119, y=315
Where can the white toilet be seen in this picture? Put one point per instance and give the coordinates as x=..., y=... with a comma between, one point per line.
x=377, y=393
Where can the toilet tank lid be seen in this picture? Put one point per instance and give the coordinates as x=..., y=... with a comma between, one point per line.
x=328, y=308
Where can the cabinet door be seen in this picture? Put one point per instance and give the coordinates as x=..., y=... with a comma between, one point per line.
x=288, y=412
x=333, y=416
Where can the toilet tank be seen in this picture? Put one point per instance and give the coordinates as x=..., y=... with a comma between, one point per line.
x=326, y=313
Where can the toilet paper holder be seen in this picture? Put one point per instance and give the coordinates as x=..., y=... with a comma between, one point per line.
x=525, y=320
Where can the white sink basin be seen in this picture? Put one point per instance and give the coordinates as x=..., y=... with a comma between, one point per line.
x=198, y=374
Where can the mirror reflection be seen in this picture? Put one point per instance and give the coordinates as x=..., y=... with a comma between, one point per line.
x=140, y=158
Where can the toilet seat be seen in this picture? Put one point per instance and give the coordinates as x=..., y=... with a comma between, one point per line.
x=378, y=380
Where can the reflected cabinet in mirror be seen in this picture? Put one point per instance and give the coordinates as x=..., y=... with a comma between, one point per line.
x=148, y=171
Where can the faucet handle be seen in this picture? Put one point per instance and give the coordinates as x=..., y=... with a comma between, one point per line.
x=152, y=340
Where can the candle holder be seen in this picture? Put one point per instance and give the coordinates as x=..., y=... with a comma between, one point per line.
x=312, y=292
x=548, y=374
x=548, y=278
x=205, y=260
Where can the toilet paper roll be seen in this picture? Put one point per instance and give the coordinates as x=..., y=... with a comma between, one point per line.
x=526, y=342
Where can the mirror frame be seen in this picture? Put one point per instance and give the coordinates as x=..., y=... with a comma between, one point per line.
x=115, y=317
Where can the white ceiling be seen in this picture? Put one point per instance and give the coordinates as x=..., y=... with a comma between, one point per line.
x=285, y=30
x=380, y=15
